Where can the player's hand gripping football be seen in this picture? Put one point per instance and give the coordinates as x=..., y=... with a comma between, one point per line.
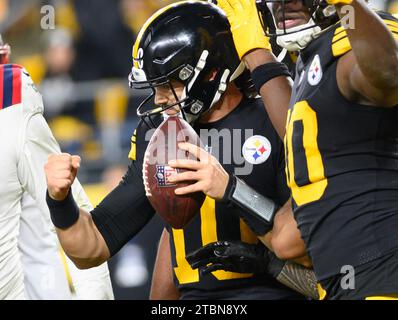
x=207, y=173
x=234, y=256
x=61, y=171
x=245, y=24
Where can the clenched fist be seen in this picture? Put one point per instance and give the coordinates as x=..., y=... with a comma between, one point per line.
x=61, y=171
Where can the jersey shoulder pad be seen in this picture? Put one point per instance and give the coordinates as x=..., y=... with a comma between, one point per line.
x=10, y=85
x=31, y=97
x=341, y=44
x=391, y=22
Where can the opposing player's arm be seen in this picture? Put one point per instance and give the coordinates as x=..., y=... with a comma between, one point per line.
x=83, y=243
x=163, y=287
x=37, y=143
x=271, y=78
x=369, y=73
x=89, y=239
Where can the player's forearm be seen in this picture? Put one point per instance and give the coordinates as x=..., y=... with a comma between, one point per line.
x=274, y=93
x=83, y=243
x=304, y=261
x=286, y=239
x=373, y=44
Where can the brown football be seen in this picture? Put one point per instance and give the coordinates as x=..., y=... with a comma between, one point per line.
x=176, y=210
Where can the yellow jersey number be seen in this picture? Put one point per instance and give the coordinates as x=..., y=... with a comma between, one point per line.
x=317, y=182
x=183, y=271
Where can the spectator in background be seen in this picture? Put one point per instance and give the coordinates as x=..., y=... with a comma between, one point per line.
x=136, y=12
x=66, y=117
x=104, y=44
x=57, y=87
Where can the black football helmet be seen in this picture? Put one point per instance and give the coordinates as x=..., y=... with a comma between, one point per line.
x=322, y=15
x=185, y=41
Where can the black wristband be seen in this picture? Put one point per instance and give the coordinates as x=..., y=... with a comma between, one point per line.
x=266, y=72
x=65, y=213
x=229, y=191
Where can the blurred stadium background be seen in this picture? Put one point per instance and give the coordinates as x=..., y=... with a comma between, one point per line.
x=81, y=68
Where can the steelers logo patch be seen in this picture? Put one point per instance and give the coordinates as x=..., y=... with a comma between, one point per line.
x=256, y=149
x=315, y=73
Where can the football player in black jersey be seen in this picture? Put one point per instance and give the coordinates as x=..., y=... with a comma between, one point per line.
x=185, y=55
x=341, y=134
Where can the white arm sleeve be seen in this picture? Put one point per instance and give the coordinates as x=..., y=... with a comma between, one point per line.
x=39, y=144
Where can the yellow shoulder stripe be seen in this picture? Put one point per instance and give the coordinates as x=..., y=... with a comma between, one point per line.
x=339, y=33
x=340, y=36
x=393, y=26
x=341, y=43
x=391, y=23
x=133, y=150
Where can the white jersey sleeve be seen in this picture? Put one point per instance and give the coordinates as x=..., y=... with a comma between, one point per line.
x=11, y=124
x=37, y=143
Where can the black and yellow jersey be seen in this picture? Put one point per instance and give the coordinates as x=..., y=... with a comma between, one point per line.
x=342, y=162
x=245, y=143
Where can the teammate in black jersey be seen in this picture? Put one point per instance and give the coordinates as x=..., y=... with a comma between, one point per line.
x=341, y=134
x=185, y=54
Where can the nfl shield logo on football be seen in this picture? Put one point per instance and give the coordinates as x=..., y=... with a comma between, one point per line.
x=315, y=73
x=256, y=149
x=163, y=173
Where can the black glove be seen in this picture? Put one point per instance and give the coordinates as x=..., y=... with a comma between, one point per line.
x=234, y=256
